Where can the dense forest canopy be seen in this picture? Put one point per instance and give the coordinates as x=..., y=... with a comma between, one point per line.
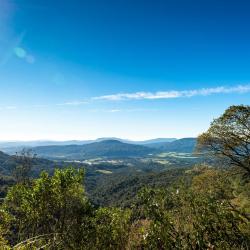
x=199, y=207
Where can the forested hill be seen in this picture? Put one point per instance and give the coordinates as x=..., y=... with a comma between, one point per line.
x=9, y=163
x=3, y=157
x=120, y=189
x=108, y=148
x=186, y=145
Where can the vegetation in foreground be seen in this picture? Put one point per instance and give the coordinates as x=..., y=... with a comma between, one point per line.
x=207, y=208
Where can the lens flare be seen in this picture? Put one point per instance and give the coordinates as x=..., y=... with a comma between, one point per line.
x=20, y=52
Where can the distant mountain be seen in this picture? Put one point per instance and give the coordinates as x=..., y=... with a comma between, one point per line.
x=105, y=148
x=154, y=141
x=184, y=145
x=16, y=146
x=101, y=147
x=145, y=142
x=12, y=145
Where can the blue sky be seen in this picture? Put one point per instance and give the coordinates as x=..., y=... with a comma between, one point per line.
x=131, y=69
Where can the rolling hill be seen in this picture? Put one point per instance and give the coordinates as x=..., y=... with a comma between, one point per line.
x=184, y=145
x=11, y=147
x=9, y=162
x=103, y=147
x=106, y=148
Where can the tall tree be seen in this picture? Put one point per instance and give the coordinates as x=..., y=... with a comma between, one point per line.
x=25, y=160
x=229, y=137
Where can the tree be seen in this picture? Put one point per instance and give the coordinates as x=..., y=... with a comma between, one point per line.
x=25, y=160
x=52, y=207
x=228, y=138
x=111, y=229
x=182, y=218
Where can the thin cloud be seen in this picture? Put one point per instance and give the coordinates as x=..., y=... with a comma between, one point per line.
x=114, y=110
x=10, y=107
x=73, y=103
x=174, y=93
x=40, y=106
x=121, y=110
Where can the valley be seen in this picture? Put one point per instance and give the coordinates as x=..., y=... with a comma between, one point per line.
x=106, y=161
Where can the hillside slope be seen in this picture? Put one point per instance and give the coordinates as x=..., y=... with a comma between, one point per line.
x=108, y=148
x=184, y=145
x=9, y=162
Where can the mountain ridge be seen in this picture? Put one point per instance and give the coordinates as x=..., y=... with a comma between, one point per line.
x=107, y=148
x=35, y=143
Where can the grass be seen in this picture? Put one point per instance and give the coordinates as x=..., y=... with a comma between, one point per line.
x=104, y=171
x=177, y=155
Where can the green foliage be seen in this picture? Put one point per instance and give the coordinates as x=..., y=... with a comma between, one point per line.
x=120, y=190
x=49, y=205
x=202, y=211
x=4, y=229
x=54, y=211
x=5, y=183
x=22, y=171
x=111, y=228
x=182, y=218
x=206, y=209
x=228, y=138
x=3, y=244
